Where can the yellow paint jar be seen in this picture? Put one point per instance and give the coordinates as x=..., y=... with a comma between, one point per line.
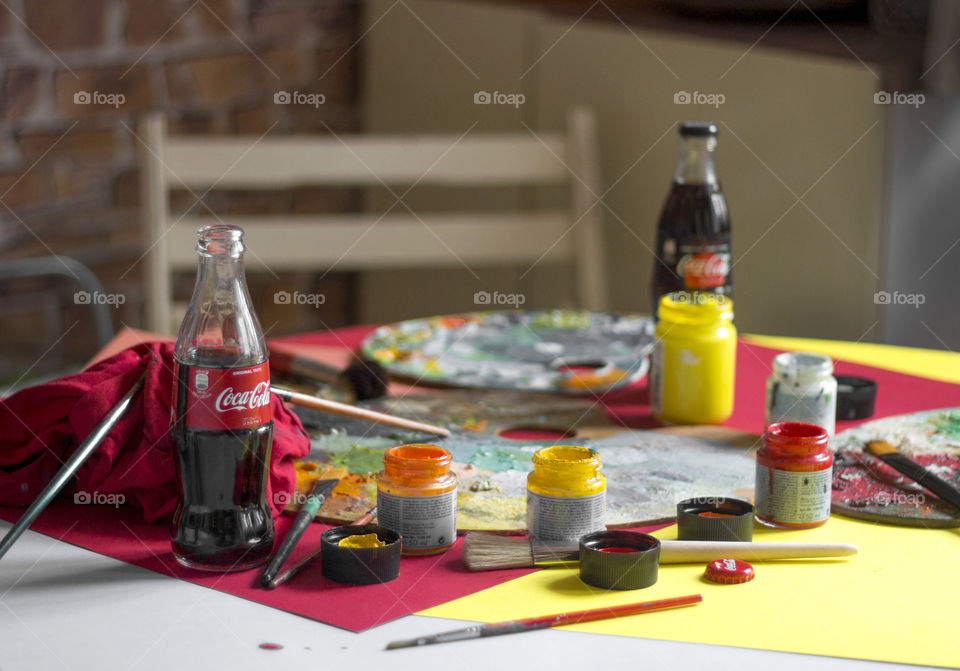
x=566, y=494
x=694, y=357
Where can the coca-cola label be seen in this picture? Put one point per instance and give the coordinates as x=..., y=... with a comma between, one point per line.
x=227, y=398
x=704, y=267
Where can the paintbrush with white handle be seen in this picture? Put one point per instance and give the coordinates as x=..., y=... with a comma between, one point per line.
x=484, y=551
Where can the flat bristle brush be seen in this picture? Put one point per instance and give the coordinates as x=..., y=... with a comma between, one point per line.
x=901, y=463
x=485, y=551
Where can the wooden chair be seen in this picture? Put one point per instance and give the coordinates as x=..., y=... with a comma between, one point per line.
x=363, y=241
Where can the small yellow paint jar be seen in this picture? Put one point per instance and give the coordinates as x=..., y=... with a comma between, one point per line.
x=566, y=494
x=694, y=357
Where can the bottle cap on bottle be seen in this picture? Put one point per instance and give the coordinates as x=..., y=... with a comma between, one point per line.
x=698, y=129
x=729, y=571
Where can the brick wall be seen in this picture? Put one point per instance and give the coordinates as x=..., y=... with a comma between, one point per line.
x=75, y=75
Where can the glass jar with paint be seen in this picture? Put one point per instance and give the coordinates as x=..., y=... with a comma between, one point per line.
x=794, y=476
x=694, y=357
x=417, y=498
x=566, y=494
x=802, y=389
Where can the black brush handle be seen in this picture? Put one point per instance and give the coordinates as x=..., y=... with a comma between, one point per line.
x=922, y=477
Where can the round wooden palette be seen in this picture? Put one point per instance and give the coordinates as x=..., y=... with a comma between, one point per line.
x=565, y=351
x=866, y=488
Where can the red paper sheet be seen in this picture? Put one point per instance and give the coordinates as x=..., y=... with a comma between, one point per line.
x=424, y=581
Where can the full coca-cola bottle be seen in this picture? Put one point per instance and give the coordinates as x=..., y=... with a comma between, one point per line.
x=222, y=420
x=693, y=236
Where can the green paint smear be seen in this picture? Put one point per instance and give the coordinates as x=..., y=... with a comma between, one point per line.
x=501, y=460
x=359, y=459
x=947, y=424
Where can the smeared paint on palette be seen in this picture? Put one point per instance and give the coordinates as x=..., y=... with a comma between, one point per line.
x=864, y=487
x=562, y=351
x=647, y=473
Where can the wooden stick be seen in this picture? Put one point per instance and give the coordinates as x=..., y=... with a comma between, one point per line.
x=683, y=552
x=353, y=411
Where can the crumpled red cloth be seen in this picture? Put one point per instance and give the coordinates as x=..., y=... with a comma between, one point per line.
x=41, y=426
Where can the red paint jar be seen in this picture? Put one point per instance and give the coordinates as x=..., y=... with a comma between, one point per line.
x=794, y=476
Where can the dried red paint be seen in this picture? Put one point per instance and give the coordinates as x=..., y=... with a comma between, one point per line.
x=619, y=550
x=271, y=646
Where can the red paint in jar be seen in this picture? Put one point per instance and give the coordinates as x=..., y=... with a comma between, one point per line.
x=794, y=476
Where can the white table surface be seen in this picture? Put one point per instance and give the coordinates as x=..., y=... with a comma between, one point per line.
x=63, y=607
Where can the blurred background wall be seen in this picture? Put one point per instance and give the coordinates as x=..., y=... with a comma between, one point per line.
x=825, y=181
x=68, y=174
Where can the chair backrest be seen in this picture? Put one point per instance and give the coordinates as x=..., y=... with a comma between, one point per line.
x=400, y=238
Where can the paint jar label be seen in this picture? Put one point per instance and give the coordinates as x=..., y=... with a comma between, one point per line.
x=793, y=497
x=563, y=518
x=425, y=522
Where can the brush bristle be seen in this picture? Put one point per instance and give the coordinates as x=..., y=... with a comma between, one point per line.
x=880, y=447
x=484, y=552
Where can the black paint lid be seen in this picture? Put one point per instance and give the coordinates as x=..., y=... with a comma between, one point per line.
x=715, y=518
x=360, y=566
x=855, y=397
x=619, y=559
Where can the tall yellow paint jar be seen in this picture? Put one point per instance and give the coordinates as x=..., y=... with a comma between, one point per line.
x=566, y=494
x=694, y=358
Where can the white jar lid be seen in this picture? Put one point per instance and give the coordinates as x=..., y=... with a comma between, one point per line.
x=802, y=367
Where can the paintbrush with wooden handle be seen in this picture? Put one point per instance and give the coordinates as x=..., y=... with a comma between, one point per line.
x=900, y=462
x=484, y=551
x=322, y=404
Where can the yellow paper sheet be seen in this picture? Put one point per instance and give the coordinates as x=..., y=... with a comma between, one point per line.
x=934, y=364
x=895, y=601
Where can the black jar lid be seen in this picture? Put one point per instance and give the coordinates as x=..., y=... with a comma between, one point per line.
x=715, y=518
x=855, y=397
x=360, y=566
x=619, y=559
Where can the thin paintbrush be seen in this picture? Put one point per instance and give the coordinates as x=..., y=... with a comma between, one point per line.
x=889, y=455
x=313, y=556
x=545, y=621
x=306, y=515
x=86, y=448
x=346, y=410
x=485, y=551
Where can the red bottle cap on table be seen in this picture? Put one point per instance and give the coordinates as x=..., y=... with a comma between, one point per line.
x=729, y=571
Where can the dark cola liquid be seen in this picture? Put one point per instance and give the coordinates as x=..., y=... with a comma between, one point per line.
x=693, y=243
x=223, y=521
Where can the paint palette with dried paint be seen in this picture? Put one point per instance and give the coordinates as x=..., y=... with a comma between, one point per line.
x=647, y=473
x=866, y=488
x=563, y=351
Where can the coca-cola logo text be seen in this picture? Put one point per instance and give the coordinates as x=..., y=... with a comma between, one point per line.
x=258, y=397
x=704, y=270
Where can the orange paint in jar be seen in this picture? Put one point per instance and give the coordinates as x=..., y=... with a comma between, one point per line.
x=794, y=476
x=417, y=498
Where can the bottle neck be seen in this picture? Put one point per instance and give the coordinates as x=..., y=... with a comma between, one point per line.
x=696, y=164
x=220, y=327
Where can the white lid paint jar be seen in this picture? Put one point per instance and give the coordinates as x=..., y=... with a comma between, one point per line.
x=802, y=389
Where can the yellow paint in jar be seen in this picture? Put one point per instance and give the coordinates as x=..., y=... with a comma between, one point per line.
x=694, y=358
x=361, y=541
x=566, y=494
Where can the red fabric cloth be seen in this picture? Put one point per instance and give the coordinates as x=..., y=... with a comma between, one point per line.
x=44, y=424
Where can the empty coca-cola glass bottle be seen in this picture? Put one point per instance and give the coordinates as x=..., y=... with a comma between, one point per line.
x=693, y=235
x=222, y=421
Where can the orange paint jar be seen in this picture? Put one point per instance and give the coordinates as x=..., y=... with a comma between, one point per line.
x=794, y=476
x=417, y=498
